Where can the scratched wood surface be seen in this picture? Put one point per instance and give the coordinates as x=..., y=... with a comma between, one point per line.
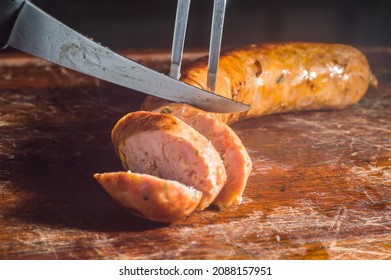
x=320, y=189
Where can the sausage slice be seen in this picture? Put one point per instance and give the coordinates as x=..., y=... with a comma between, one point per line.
x=164, y=146
x=150, y=197
x=236, y=160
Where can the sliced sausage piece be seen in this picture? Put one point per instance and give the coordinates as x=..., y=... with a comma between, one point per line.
x=150, y=197
x=236, y=160
x=166, y=147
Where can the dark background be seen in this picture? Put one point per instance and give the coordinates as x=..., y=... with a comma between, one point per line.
x=148, y=24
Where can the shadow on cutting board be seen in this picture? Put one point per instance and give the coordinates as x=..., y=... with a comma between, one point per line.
x=59, y=139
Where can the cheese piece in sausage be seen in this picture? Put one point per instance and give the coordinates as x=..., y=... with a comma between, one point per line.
x=162, y=145
x=150, y=197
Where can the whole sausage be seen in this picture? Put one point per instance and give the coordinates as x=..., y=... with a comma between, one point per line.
x=287, y=77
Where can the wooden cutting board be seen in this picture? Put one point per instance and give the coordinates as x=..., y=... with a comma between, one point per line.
x=320, y=188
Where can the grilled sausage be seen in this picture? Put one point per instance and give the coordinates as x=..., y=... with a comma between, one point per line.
x=150, y=197
x=272, y=78
x=236, y=160
x=286, y=77
x=164, y=146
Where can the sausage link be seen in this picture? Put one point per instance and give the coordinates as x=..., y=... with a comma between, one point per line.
x=275, y=78
x=272, y=78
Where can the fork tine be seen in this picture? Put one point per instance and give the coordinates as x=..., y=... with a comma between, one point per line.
x=215, y=42
x=178, y=41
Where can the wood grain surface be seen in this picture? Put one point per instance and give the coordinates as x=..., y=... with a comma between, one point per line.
x=320, y=188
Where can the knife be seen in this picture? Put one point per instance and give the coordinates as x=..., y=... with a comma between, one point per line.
x=29, y=29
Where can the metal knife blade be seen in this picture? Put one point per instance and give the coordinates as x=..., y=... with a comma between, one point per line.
x=37, y=33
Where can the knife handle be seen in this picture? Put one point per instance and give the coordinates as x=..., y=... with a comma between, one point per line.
x=8, y=12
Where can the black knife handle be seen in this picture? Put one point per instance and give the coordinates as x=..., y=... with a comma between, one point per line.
x=8, y=12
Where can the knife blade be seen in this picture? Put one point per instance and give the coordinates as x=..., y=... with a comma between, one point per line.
x=37, y=33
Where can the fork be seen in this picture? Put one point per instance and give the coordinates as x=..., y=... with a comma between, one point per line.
x=216, y=34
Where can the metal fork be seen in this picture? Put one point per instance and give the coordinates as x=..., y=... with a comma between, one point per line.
x=181, y=19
